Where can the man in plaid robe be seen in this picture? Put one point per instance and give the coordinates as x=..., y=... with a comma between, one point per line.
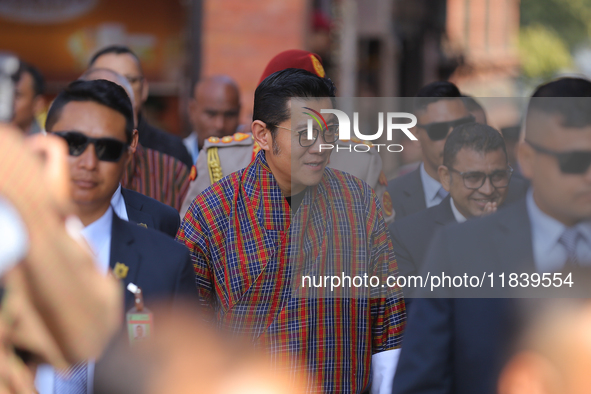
x=257, y=232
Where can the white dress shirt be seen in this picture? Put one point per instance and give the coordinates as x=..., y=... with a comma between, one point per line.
x=192, y=145
x=430, y=188
x=98, y=237
x=118, y=204
x=383, y=369
x=549, y=254
x=457, y=214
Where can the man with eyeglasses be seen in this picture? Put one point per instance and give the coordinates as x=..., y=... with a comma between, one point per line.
x=225, y=155
x=439, y=107
x=459, y=345
x=255, y=234
x=95, y=119
x=123, y=61
x=475, y=172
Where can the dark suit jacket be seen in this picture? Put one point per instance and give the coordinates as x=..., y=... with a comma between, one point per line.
x=411, y=235
x=459, y=345
x=159, y=265
x=162, y=268
x=408, y=195
x=154, y=214
x=154, y=138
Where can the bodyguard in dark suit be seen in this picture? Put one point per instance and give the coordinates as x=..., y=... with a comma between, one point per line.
x=438, y=107
x=458, y=345
x=476, y=173
x=95, y=119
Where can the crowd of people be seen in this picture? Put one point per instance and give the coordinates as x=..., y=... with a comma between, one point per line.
x=140, y=262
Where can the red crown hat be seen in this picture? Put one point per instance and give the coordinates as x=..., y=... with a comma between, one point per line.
x=295, y=58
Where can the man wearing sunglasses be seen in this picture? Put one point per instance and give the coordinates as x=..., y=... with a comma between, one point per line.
x=251, y=234
x=95, y=118
x=439, y=107
x=459, y=345
x=476, y=174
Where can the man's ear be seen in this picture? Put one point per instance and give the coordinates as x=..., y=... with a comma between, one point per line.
x=261, y=135
x=133, y=145
x=145, y=90
x=525, y=158
x=444, y=177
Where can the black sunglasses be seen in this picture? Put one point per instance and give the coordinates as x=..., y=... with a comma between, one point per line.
x=107, y=149
x=437, y=131
x=572, y=162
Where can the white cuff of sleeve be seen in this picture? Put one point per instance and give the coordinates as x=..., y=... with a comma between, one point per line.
x=383, y=369
x=15, y=239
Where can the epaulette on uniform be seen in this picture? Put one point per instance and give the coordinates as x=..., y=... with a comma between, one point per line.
x=213, y=144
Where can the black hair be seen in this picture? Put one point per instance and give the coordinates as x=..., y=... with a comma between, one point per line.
x=99, y=91
x=271, y=96
x=564, y=97
x=472, y=105
x=115, y=49
x=434, y=92
x=38, y=80
x=475, y=136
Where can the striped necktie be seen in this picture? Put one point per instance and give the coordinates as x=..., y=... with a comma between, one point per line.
x=568, y=240
x=72, y=381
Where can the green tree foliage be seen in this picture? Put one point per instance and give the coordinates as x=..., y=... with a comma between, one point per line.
x=542, y=52
x=570, y=19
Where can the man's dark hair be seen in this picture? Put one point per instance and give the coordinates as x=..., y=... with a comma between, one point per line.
x=567, y=97
x=475, y=136
x=38, y=80
x=99, y=91
x=115, y=49
x=434, y=92
x=472, y=105
x=271, y=96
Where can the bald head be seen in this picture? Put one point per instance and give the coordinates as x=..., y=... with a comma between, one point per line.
x=93, y=74
x=215, y=107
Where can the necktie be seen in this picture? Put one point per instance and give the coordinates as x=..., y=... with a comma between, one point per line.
x=442, y=193
x=72, y=381
x=569, y=239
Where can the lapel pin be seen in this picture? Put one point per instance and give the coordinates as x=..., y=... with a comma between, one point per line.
x=120, y=270
x=144, y=225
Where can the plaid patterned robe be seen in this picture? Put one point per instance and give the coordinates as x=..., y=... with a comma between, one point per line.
x=243, y=240
x=157, y=175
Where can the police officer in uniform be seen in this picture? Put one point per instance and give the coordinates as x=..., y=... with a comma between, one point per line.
x=223, y=156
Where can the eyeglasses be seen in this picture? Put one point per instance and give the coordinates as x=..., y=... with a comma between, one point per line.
x=329, y=135
x=572, y=162
x=474, y=180
x=437, y=131
x=107, y=149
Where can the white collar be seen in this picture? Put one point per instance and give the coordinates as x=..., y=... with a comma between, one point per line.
x=118, y=204
x=457, y=214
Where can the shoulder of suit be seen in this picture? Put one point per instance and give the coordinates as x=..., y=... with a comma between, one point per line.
x=237, y=139
x=404, y=180
x=149, y=204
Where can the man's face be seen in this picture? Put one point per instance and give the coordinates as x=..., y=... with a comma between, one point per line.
x=566, y=197
x=468, y=201
x=440, y=111
x=25, y=102
x=126, y=65
x=214, y=111
x=304, y=166
x=93, y=181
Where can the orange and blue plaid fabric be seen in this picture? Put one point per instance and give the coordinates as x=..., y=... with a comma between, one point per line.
x=239, y=233
x=157, y=175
